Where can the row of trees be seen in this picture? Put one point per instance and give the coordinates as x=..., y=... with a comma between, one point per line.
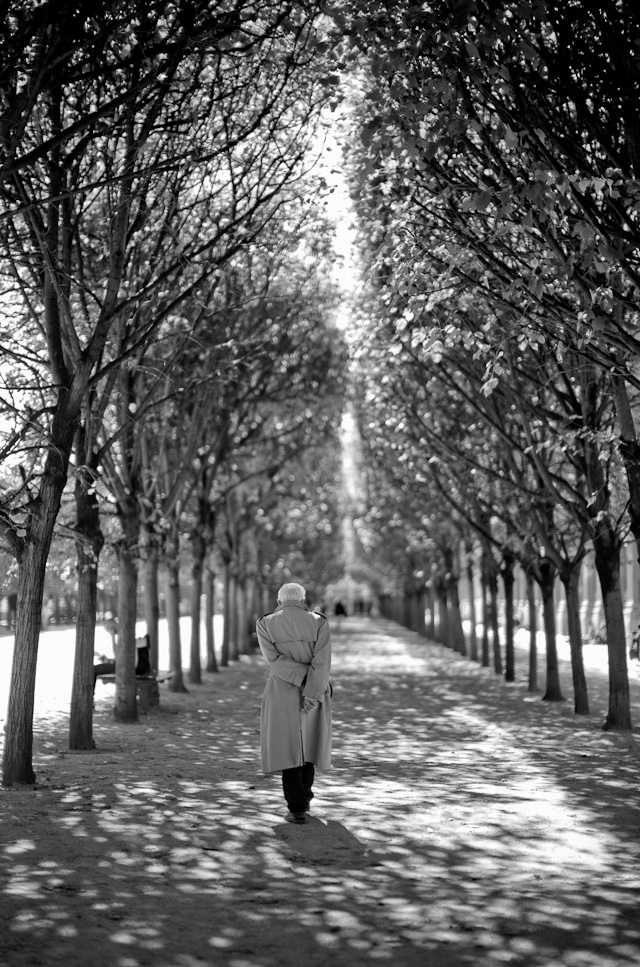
x=166, y=306
x=497, y=184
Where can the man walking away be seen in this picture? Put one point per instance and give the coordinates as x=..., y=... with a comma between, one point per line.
x=295, y=717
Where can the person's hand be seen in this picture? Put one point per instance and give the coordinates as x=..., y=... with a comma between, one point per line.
x=308, y=704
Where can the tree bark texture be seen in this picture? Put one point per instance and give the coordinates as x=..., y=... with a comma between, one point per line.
x=457, y=631
x=126, y=709
x=607, y=561
x=151, y=598
x=88, y=548
x=226, y=605
x=197, y=567
x=493, y=616
x=508, y=581
x=443, y=613
x=571, y=582
x=243, y=618
x=210, y=611
x=630, y=452
x=486, y=618
x=532, y=682
x=431, y=605
x=176, y=682
x=547, y=575
x=232, y=616
x=420, y=611
x=81, y=712
x=18, y=747
x=473, y=636
x=606, y=546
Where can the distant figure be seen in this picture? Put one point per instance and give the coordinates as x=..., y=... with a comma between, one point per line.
x=143, y=655
x=143, y=662
x=111, y=627
x=340, y=612
x=295, y=716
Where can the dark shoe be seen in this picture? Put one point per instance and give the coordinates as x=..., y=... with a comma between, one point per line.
x=295, y=817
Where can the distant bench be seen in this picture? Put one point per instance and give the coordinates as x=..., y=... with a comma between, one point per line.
x=147, y=691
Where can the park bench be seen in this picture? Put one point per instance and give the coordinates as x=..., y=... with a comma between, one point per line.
x=147, y=690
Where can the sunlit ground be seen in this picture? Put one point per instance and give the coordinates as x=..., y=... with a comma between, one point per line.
x=464, y=822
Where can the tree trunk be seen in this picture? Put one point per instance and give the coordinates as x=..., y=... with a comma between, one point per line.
x=176, y=682
x=443, y=612
x=431, y=604
x=126, y=709
x=243, y=619
x=226, y=605
x=252, y=605
x=18, y=747
x=81, y=709
x=508, y=581
x=210, y=613
x=606, y=543
x=421, y=608
x=486, y=618
x=571, y=581
x=251, y=570
x=473, y=637
x=197, y=567
x=151, y=596
x=454, y=624
x=607, y=561
x=17, y=765
x=629, y=450
x=415, y=608
x=493, y=617
x=533, y=634
x=457, y=631
x=547, y=575
x=88, y=549
x=233, y=615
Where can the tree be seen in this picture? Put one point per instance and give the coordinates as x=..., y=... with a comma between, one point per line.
x=97, y=135
x=514, y=117
x=457, y=175
x=545, y=398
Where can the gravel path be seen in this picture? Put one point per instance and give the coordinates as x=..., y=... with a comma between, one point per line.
x=464, y=823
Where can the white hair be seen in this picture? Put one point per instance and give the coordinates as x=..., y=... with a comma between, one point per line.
x=291, y=592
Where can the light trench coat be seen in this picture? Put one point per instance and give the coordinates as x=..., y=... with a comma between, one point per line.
x=296, y=644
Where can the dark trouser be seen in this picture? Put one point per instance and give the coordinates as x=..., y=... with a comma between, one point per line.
x=296, y=785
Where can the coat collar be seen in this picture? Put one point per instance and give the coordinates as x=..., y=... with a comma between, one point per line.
x=292, y=604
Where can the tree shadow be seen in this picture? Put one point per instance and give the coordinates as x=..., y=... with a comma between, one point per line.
x=462, y=825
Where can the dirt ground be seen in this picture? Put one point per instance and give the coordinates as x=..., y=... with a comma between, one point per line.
x=464, y=823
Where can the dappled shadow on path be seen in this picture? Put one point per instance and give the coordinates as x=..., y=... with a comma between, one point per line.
x=462, y=824
x=521, y=817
